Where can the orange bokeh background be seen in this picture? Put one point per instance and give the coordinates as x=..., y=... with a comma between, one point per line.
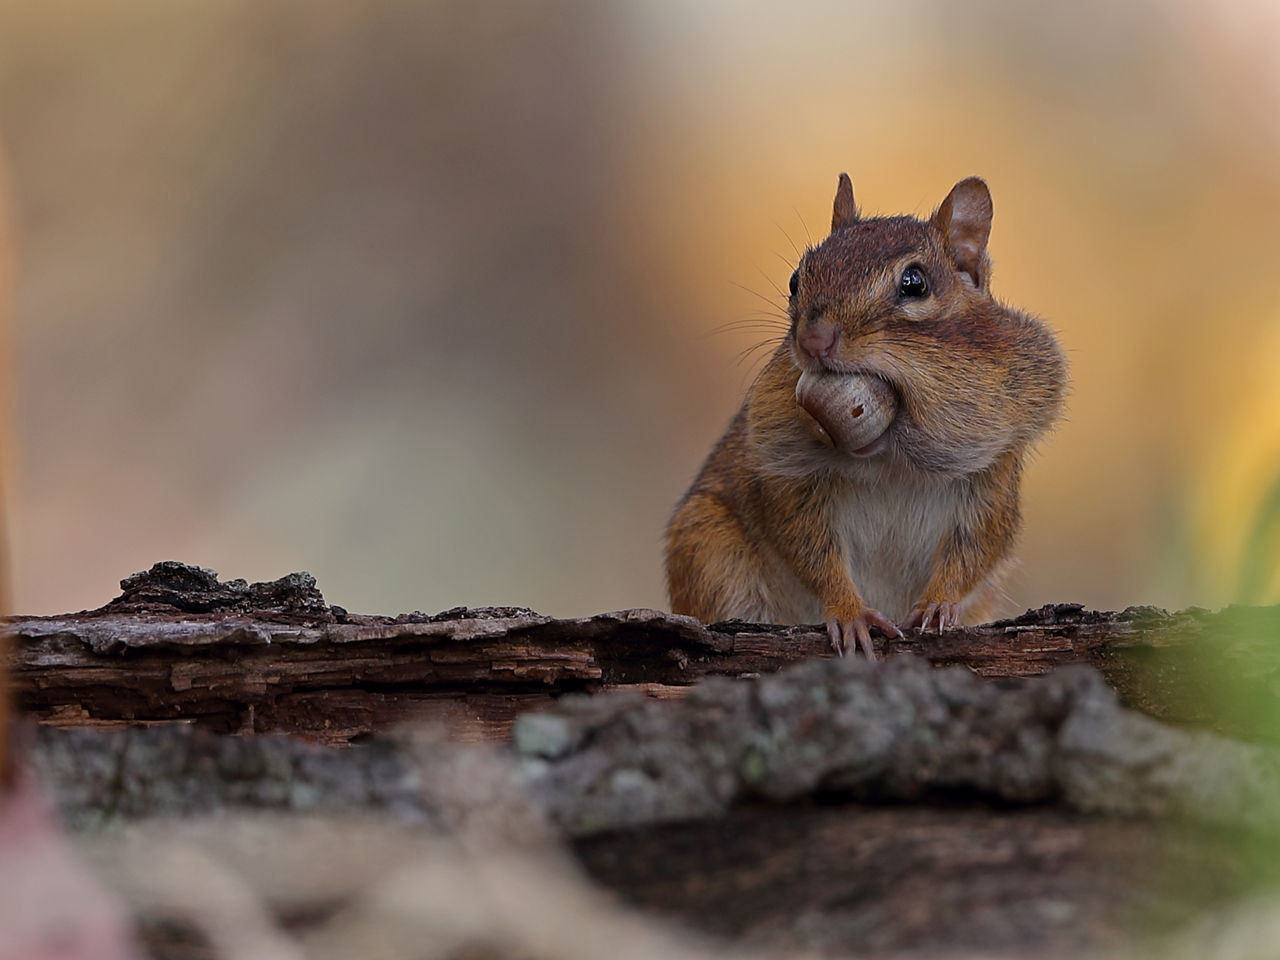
x=440, y=301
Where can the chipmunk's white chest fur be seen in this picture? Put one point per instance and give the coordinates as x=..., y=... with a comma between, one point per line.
x=890, y=529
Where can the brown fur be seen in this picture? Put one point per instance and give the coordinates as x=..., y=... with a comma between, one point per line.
x=777, y=522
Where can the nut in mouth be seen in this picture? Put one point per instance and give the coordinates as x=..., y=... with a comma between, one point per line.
x=851, y=411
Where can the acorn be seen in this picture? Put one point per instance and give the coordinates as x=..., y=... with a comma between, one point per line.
x=853, y=410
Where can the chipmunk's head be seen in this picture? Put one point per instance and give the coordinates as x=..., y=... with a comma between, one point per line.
x=887, y=273
x=897, y=313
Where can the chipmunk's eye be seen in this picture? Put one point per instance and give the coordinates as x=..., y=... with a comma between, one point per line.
x=913, y=283
x=795, y=282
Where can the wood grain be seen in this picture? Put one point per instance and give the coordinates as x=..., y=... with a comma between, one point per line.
x=179, y=645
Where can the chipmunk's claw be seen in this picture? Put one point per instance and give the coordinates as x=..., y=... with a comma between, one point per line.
x=944, y=612
x=847, y=635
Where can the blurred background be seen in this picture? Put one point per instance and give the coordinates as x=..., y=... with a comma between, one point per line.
x=442, y=301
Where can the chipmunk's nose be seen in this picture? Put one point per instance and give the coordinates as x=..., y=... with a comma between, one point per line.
x=818, y=338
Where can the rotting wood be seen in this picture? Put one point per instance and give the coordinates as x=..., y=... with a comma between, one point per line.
x=1028, y=818
x=178, y=645
x=919, y=880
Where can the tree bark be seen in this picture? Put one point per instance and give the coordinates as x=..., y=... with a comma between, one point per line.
x=178, y=645
x=1021, y=818
x=922, y=881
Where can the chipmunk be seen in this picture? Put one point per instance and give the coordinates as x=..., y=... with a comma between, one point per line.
x=871, y=477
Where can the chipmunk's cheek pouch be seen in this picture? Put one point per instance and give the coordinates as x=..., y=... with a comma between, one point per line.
x=852, y=410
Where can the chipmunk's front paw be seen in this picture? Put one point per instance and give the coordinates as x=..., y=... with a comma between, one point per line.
x=943, y=612
x=853, y=632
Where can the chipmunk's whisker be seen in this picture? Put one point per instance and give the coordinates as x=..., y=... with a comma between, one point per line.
x=800, y=217
x=757, y=293
x=769, y=280
x=790, y=241
x=753, y=323
x=748, y=352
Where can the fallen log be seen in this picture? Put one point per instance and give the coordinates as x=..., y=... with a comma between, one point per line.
x=179, y=645
x=839, y=807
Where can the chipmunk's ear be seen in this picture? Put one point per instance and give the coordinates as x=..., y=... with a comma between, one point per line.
x=964, y=219
x=845, y=211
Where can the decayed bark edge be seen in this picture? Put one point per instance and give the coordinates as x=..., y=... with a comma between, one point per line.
x=179, y=645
